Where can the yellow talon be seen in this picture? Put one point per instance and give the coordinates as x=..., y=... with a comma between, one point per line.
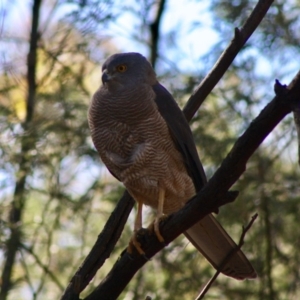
x=135, y=243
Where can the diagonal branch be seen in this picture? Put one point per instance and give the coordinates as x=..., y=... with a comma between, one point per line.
x=210, y=197
x=102, y=248
x=240, y=38
x=44, y=267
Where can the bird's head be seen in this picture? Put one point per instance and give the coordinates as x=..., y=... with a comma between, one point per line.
x=127, y=70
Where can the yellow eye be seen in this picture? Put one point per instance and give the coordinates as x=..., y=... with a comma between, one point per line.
x=121, y=68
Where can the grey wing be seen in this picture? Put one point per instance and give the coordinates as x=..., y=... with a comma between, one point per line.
x=208, y=236
x=181, y=134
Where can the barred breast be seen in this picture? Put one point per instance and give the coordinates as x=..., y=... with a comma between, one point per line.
x=135, y=144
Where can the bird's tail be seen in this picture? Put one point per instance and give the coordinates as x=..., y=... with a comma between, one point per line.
x=211, y=239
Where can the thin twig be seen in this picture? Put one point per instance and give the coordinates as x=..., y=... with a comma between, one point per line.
x=43, y=266
x=227, y=259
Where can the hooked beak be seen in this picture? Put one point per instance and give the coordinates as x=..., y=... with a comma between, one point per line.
x=105, y=77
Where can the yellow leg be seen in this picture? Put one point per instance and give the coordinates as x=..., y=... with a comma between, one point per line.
x=160, y=208
x=137, y=226
x=138, y=222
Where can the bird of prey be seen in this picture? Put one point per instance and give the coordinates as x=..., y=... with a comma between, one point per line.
x=145, y=142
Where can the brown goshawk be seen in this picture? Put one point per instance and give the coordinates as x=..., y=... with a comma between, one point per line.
x=145, y=141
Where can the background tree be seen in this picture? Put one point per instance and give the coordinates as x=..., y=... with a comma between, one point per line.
x=56, y=195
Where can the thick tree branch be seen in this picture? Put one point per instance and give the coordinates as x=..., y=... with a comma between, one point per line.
x=102, y=248
x=240, y=38
x=209, y=198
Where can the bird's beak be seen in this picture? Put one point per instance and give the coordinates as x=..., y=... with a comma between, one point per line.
x=105, y=77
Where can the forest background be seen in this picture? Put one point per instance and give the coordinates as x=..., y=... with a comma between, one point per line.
x=55, y=194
